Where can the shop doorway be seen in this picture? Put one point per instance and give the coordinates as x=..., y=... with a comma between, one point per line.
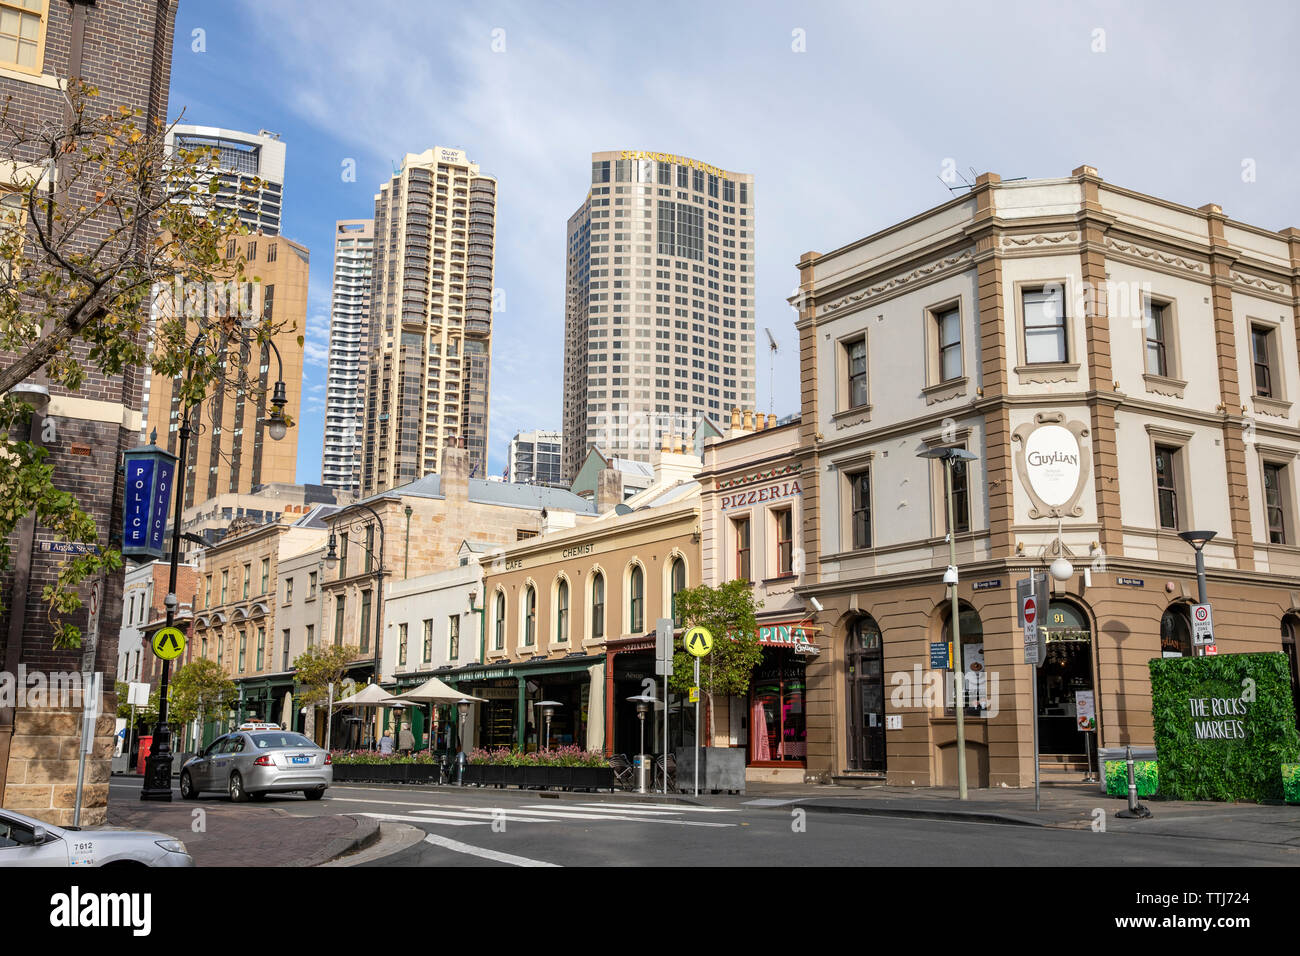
x=1065, y=682
x=865, y=660
x=779, y=730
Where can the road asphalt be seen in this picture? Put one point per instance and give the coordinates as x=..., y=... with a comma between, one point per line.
x=769, y=825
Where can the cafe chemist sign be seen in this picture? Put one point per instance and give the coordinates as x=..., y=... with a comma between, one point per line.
x=1052, y=464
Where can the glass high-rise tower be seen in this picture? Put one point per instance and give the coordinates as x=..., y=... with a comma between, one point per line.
x=430, y=319
x=354, y=247
x=659, y=303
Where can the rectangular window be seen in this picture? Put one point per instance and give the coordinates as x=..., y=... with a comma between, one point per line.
x=311, y=585
x=248, y=579
x=22, y=34
x=284, y=649
x=340, y=605
x=1167, y=486
x=1275, y=503
x=1262, y=356
x=948, y=327
x=741, y=526
x=288, y=590
x=856, y=353
x=401, y=644
x=261, y=647
x=207, y=591
x=370, y=547
x=266, y=574
x=784, y=541
x=225, y=580
x=428, y=640
x=365, y=621
x=1156, y=316
x=243, y=650
x=1045, y=328
x=343, y=555
x=311, y=635
x=453, y=638
x=860, y=505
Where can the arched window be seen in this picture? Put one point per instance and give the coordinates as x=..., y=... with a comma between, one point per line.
x=501, y=621
x=974, y=689
x=562, y=611
x=597, y=605
x=1289, y=629
x=636, y=600
x=1176, y=631
x=677, y=582
x=530, y=616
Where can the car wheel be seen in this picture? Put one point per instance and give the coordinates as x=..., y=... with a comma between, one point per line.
x=237, y=792
x=314, y=794
x=187, y=787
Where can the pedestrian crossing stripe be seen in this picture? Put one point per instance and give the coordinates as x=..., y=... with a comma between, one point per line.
x=541, y=813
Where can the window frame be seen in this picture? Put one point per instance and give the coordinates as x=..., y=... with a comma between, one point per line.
x=1067, y=326
x=43, y=17
x=934, y=347
x=635, y=598
x=786, y=569
x=1285, y=494
x=844, y=377
x=744, y=556
x=597, y=628
x=1271, y=365
x=1173, y=487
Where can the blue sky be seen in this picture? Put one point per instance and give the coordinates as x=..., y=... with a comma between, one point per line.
x=844, y=136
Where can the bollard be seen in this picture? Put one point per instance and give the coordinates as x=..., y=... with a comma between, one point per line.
x=1135, y=810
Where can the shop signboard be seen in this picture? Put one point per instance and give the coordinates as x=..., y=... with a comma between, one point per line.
x=941, y=655
x=1085, y=709
x=793, y=635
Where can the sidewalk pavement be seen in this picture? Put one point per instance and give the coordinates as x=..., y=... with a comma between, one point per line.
x=246, y=835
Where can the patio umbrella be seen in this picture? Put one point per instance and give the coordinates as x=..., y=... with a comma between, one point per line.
x=434, y=692
x=371, y=696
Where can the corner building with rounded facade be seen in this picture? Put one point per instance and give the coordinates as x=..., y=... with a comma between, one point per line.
x=1123, y=369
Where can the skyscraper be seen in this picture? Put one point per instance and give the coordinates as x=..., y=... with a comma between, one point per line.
x=230, y=451
x=659, y=303
x=431, y=319
x=243, y=158
x=354, y=248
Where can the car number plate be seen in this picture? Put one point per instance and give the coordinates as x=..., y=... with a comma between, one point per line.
x=302, y=760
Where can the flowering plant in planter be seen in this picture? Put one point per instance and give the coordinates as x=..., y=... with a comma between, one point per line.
x=374, y=757
x=570, y=756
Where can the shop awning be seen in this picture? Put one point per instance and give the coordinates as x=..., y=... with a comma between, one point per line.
x=436, y=692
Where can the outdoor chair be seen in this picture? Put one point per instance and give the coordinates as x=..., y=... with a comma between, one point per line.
x=622, y=767
x=666, y=764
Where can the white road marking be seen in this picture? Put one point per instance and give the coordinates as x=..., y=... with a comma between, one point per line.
x=457, y=847
x=543, y=815
x=647, y=807
x=407, y=818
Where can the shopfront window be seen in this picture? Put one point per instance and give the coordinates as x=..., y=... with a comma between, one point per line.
x=778, y=728
x=974, y=690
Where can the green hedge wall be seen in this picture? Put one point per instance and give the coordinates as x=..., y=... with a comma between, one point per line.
x=1246, y=764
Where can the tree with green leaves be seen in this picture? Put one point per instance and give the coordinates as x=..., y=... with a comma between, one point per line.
x=318, y=667
x=113, y=256
x=200, y=688
x=147, y=714
x=729, y=612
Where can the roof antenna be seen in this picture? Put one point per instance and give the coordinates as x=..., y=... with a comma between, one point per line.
x=771, y=375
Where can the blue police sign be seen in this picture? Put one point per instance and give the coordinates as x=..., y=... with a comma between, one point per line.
x=150, y=472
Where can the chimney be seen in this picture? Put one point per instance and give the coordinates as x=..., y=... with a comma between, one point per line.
x=760, y=421
x=749, y=420
x=735, y=416
x=771, y=423
x=666, y=443
x=609, y=489
x=455, y=472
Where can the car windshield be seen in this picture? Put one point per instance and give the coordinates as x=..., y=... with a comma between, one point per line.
x=272, y=741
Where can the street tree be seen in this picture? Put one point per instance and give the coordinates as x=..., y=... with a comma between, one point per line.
x=200, y=688
x=318, y=667
x=113, y=256
x=729, y=612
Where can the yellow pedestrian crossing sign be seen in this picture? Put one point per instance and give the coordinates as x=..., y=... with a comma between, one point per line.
x=698, y=641
x=169, y=643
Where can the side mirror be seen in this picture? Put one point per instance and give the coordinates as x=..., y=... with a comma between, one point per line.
x=38, y=836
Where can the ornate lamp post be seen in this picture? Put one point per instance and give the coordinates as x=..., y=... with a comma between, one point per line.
x=158, y=765
x=1198, y=540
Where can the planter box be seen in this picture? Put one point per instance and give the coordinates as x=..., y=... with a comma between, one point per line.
x=721, y=768
x=561, y=778
x=593, y=778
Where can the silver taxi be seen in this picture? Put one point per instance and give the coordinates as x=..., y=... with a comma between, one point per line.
x=26, y=841
x=255, y=762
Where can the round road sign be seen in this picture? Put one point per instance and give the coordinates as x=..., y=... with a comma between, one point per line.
x=1202, y=613
x=698, y=641
x=1031, y=610
x=169, y=643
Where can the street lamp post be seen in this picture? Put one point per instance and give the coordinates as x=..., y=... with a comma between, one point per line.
x=948, y=456
x=462, y=711
x=158, y=765
x=1198, y=540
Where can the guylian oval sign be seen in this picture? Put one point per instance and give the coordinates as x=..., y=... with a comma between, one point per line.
x=1052, y=464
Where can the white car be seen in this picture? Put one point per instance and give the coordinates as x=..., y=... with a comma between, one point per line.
x=28, y=842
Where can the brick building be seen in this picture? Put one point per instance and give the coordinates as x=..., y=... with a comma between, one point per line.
x=124, y=48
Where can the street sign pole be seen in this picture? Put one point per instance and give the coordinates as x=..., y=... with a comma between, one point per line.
x=696, y=685
x=664, y=667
